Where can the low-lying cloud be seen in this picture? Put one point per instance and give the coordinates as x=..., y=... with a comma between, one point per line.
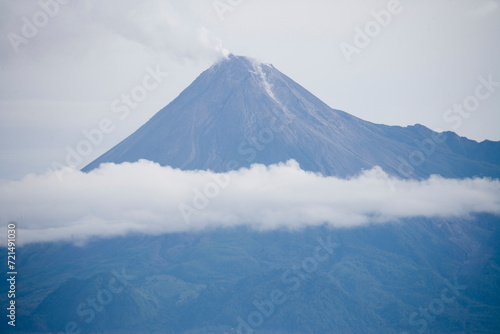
x=144, y=197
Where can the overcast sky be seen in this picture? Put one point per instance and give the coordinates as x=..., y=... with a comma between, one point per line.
x=61, y=72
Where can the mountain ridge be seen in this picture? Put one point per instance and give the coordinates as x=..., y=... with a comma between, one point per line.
x=241, y=111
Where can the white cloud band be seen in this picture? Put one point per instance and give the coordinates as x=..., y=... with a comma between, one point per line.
x=144, y=197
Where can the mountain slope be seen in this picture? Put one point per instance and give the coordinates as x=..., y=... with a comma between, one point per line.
x=241, y=111
x=375, y=278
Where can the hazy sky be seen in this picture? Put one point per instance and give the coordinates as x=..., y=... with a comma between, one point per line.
x=61, y=71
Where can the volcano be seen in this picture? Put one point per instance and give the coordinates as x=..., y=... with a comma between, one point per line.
x=242, y=111
x=415, y=275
